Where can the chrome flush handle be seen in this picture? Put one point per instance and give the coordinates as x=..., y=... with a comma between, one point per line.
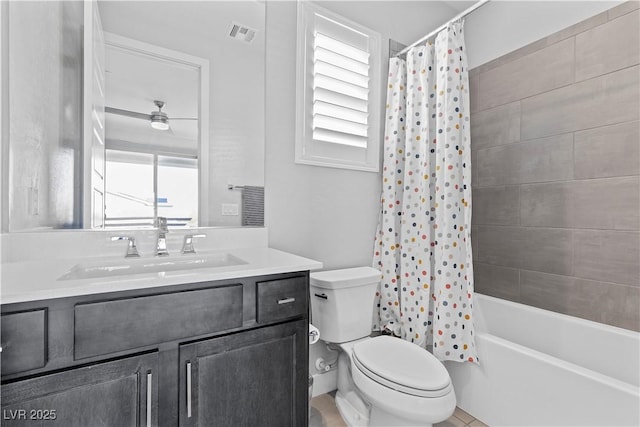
x=132, y=249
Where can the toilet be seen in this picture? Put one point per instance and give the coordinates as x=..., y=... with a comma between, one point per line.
x=382, y=381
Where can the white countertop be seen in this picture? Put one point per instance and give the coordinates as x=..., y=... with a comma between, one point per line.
x=38, y=280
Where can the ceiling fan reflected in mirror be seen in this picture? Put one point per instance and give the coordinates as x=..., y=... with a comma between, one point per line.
x=158, y=119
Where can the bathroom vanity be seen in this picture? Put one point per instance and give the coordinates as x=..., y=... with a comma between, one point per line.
x=168, y=351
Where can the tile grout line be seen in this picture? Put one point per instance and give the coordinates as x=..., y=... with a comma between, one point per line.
x=562, y=86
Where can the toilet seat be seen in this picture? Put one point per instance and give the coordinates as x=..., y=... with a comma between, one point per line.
x=401, y=366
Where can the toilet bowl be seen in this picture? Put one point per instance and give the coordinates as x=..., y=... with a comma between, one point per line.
x=405, y=384
x=382, y=381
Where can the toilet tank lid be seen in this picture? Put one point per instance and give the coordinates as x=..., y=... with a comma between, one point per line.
x=345, y=278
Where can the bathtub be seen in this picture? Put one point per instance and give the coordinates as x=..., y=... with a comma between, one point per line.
x=540, y=368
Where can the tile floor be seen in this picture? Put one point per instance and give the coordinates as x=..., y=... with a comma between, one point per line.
x=325, y=414
x=461, y=419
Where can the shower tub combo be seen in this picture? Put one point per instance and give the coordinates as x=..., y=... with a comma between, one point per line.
x=542, y=368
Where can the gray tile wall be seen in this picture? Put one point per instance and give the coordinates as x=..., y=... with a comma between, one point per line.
x=555, y=136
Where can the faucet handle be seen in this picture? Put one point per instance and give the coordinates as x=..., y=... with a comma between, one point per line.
x=132, y=249
x=187, y=247
x=161, y=223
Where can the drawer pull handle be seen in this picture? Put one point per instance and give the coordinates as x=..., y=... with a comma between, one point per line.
x=323, y=296
x=286, y=301
x=188, y=389
x=149, y=393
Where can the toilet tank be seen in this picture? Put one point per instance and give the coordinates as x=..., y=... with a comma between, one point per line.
x=342, y=302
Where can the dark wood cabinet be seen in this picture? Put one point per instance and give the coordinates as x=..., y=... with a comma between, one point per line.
x=109, y=326
x=23, y=341
x=247, y=379
x=224, y=353
x=118, y=393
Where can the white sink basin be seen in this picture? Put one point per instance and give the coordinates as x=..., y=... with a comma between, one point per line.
x=150, y=265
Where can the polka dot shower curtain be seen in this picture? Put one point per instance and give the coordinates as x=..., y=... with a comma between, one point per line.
x=423, y=241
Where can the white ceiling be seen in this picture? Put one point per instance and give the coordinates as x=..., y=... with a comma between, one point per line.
x=459, y=5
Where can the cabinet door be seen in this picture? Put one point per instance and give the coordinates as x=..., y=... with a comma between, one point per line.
x=255, y=378
x=119, y=393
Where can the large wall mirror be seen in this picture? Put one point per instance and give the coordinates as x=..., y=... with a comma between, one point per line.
x=120, y=112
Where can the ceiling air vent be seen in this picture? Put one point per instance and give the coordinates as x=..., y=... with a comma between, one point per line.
x=241, y=32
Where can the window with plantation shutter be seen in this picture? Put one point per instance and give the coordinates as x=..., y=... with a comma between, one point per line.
x=338, y=91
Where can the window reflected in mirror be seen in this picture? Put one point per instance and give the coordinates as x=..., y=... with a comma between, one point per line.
x=142, y=186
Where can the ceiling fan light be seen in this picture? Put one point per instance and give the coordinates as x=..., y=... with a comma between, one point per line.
x=160, y=123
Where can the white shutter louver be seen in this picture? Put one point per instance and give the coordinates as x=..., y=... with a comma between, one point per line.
x=340, y=92
x=337, y=91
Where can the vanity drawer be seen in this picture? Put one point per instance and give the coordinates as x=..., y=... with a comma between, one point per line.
x=118, y=325
x=282, y=299
x=24, y=341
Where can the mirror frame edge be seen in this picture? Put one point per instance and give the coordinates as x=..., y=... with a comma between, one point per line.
x=4, y=117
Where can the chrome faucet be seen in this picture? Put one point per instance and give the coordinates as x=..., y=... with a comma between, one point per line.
x=161, y=246
x=187, y=246
x=132, y=249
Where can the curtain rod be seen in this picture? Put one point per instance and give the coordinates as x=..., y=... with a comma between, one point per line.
x=443, y=26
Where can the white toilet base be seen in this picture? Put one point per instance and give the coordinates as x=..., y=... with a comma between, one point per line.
x=380, y=418
x=352, y=408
